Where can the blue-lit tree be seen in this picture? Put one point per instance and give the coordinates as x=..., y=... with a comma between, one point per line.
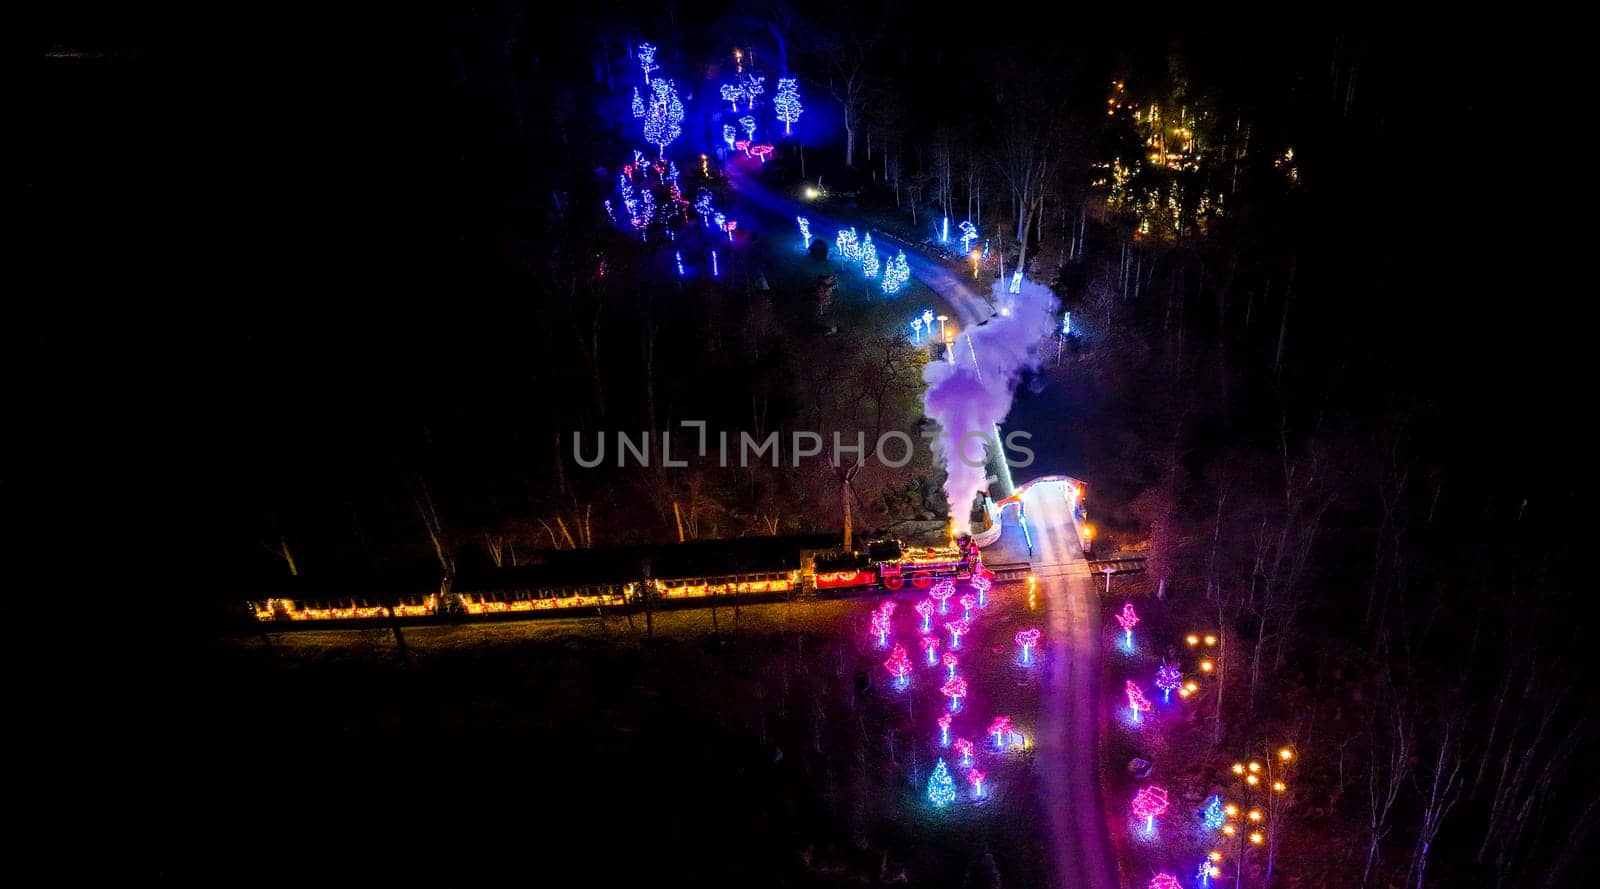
x=664, y=122
x=969, y=233
x=753, y=85
x=647, y=59
x=702, y=205
x=729, y=134
x=787, y=102
x=869, y=261
x=941, y=790
x=749, y=124
x=1213, y=816
x=638, y=103
x=732, y=94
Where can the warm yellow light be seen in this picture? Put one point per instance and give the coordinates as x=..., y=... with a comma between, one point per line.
x=1252, y=780
x=1192, y=639
x=1230, y=810
x=1286, y=754
x=1229, y=829
x=1258, y=838
x=1192, y=686
x=1216, y=871
x=1211, y=640
x=1279, y=786
x=1184, y=692
x=811, y=193
x=1238, y=768
x=1088, y=532
x=1255, y=815
x=1215, y=855
x=1206, y=666
x=1255, y=766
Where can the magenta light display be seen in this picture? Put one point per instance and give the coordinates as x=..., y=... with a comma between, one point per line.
x=1168, y=678
x=898, y=665
x=957, y=629
x=1027, y=639
x=880, y=628
x=1001, y=729
x=1127, y=618
x=950, y=662
x=942, y=590
x=955, y=690
x=1149, y=803
x=976, y=777
x=982, y=584
x=1165, y=880
x=968, y=601
x=964, y=747
x=944, y=729
x=925, y=608
x=761, y=151
x=1136, y=699
x=930, y=644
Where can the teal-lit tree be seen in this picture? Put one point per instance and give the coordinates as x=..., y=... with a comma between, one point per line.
x=787, y=102
x=941, y=789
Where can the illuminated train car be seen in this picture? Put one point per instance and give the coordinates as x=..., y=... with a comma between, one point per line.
x=891, y=565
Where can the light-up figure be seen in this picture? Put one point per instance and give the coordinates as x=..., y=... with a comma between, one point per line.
x=916, y=323
x=941, y=790
x=1001, y=729
x=897, y=274
x=805, y=231
x=845, y=243
x=729, y=226
x=1167, y=679
x=969, y=233
x=968, y=602
x=1149, y=803
x=964, y=747
x=899, y=665
x=950, y=662
x=957, y=629
x=955, y=690
x=976, y=777
x=753, y=85
x=787, y=102
x=1136, y=699
x=930, y=644
x=1127, y=618
x=702, y=205
x=1027, y=639
x=719, y=220
x=927, y=320
x=647, y=60
x=942, y=590
x=1066, y=324
x=729, y=134
x=749, y=125
x=925, y=608
x=637, y=105
x=732, y=94
x=1016, y=282
x=944, y=729
x=982, y=584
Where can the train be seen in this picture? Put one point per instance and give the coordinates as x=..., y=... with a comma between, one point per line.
x=584, y=581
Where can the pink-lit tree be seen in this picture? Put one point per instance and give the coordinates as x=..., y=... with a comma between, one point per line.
x=982, y=584
x=1027, y=639
x=943, y=590
x=1001, y=729
x=899, y=665
x=950, y=660
x=1136, y=699
x=968, y=601
x=925, y=608
x=944, y=729
x=964, y=747
x=887, y=606
x=1149, y=803
x=955, y=690
x=1128, y=618
x=880, y=627
x=1168, y=677
x=957, y=628
x=976, y=777
x=1165, y=880
x=930, y=644
x=762, y=151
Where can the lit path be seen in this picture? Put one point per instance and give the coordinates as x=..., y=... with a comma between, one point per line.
x=1068, y=752
x=970, y=308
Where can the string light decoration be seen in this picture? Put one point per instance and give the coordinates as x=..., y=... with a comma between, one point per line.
x=678, y=255
x=888, y=606
x=964, y=747
x=983, y=585
x=729, y=134
x=1128, y=619
x=1001, y=729
x=1165, y=880
x=1209, y=868
x=663, y=123
x=950, y=661
x=638, y=103
x=955, y=690
x=805, y=236
x=647, y=59
x=729, y=226
x=969, y=233
x=925, y=608
x=896, y=274
x=1168, y=678
x=976, y=778
x=899, y=666
x=787, y=102
x=713, y=263
x=880, y=628
x=957, y=629
x=942, y=589
x=968, y=602
x=944, y=729
x=941, y=790
x=1136, y=699
x=869, y=257
x=732, y=94
x=1149, y=803
x=762, y=151
x=1212, y=817
x=850, y=251
x=930, y=644
x=748, y=123
x=702, y=205
x=611, y=213
x=753, y=85
x=1027, y=639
